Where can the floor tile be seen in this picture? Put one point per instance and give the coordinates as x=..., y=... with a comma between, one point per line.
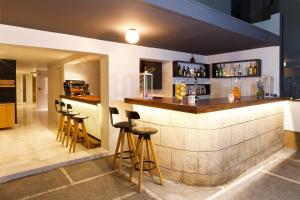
x=89, y=169
x=106, y=187
x=32, y=185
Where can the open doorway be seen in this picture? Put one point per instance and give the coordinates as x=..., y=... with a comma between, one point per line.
x=34, y=135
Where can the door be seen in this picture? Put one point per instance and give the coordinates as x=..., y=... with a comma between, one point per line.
x=42, y=90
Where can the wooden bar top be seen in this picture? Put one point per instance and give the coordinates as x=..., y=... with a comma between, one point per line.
x=201, y=106
x=94, y=100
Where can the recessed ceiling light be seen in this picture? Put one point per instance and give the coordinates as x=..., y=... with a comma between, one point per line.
x=132, y=36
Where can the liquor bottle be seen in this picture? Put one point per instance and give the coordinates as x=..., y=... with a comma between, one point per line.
x=184, y=72
x=224, y=70
x=240, y=73
x=217, y=72
x=220, y=71
x=250, y=70
x=188, y=72
x=204, y=72
x=179, y=71
x=192, y=60
x=254, y=69
x=199, y=73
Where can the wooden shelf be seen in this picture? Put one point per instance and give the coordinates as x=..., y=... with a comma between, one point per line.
x=242, y=63
x=7, y=84
x=178, y=63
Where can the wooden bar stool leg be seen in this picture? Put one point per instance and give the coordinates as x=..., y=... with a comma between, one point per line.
x=61, y=121
x=117, y=147
x=68, y=133
x=75, y=135
x=65, y=133
x=62, y=128
x=135, y=157
x=122, y=149
x=87, y=140
x=148, y=155
x=130, y=146
x=156, y=161
x=141, y=165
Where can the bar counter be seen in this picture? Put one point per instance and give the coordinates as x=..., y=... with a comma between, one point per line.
x=201, y=106
x=212, y=142
x=90, y=106
x=94, y=100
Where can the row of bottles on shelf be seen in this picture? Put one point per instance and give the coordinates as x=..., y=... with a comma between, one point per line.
x=244, y=69
x=184, y=71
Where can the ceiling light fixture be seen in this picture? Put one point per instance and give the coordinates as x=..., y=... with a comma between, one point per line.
x=132, y=36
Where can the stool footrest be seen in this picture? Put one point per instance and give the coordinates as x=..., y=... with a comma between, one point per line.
x=131, y=154
x=147, y=165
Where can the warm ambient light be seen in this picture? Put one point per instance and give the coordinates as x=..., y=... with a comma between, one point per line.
x=132, y=36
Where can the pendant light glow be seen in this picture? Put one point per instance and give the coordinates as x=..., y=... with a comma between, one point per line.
x=132, y=36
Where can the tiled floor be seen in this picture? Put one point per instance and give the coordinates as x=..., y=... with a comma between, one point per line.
x=31, y=146
x=277, y=178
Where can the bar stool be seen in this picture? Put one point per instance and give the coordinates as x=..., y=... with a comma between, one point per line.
x=144, y=136
x=79, y=120
x=124, y=130
x=69, y=114
x=61, y=112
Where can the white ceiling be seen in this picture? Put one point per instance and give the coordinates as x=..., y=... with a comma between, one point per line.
x=30, y=59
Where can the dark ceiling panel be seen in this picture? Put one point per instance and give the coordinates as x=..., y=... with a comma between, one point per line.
x=109, y=19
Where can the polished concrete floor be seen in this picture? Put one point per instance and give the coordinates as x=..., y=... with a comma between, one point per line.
x=31, y=146
x=276, y=178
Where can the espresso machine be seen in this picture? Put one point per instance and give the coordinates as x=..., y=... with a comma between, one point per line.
x=76, y=88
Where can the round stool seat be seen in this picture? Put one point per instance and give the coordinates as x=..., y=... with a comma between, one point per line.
x=79, y=117
x=122, y=125
x=62, y=111
x=144, y=131
x=71, y=114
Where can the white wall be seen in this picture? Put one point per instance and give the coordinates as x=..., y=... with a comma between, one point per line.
x=270, y=66
x=87, y=71
x=121, y=65
x=291, y=116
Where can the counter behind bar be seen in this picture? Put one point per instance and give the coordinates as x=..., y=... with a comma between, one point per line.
x=201, y=106
x=94, y=100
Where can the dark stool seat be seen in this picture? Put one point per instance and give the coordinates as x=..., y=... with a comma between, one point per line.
x=144, y=131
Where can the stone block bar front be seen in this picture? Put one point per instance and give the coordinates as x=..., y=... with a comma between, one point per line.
x=213, y=141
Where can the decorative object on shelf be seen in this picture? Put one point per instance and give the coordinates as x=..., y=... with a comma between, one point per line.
x=132, y=36
x=180, y=90
x=236, y=88
x=260, y=90
x=182, y=69
x=230, y=98
x=243, y=68
x=192, y=60
x=146, y=84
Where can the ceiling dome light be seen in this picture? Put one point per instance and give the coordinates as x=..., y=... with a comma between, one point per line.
x=132, y=36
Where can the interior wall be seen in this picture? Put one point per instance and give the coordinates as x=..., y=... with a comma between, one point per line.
x=87, y=71
x=122, y=62
x=270, y=66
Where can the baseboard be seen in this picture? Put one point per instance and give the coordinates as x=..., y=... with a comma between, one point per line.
x=291, y=139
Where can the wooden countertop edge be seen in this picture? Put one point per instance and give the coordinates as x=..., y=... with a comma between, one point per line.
x=80, y=99
x=202, y=108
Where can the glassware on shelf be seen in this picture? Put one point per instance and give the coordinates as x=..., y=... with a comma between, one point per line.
x=180, y=90
x=146, y=85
